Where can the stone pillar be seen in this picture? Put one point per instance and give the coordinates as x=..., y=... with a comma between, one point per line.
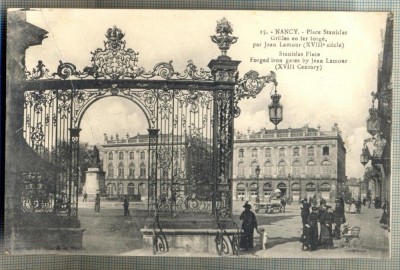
x=95, y=183
x=20, y=36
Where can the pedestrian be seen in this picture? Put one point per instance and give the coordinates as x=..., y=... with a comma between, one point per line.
x=385, y=217
x=326, y=220
x=85, y=196
x=283, y=203
x=126, y=206
x=305, y=211
x=364, y=201
x=338, y=217
x=312, y=225
x=97, y=203
x=248, y=225
x=358, y=206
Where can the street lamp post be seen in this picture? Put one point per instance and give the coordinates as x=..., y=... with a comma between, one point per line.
x=257, y=171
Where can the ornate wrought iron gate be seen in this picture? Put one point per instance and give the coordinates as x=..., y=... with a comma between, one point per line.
x=190, y=116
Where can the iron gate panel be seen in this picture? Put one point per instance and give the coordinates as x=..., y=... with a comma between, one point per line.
x=190, y=117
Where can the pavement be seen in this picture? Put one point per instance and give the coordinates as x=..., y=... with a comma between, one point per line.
x=284, y=230
x=111, y=233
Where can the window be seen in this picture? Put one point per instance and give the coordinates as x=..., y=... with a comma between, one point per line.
x=131, y=189
x=325, y=169
x=268, y=152
x=254, y=152
x=268, y=169
x=310, y=151
x=142, y=155
x=120, y=189
x=110, y=170
x=121, y=170
x=282, y=152
x=110, y=156
x=121, y=156
x=241, y=169
x=241, y=153
x=311, y=169
x=296, y=169
x=131, y=155
x=110, y=189
x=296, y=152
x=325, y=151
x=142, y=170
x=132, y=170
x=282, y=169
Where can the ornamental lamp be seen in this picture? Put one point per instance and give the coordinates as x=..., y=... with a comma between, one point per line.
x=275, y=110
x=257, y=171
x=373, y=121
x=365, y=155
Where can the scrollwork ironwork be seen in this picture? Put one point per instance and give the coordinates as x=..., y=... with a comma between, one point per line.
x=250, y=86
x=37, y=195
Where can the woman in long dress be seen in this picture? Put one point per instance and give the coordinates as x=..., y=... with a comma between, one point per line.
x=248, y=225
x=326, y=221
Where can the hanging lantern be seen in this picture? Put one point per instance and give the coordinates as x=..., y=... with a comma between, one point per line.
x=257, y=171
x=365, y=155
x=373, y=122
x=275, y=110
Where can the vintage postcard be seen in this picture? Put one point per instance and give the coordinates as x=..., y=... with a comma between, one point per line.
x=198, y=133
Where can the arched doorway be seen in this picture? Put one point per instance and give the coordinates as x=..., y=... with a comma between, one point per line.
x=325, y=190
x=296, y=196
x=282, y=187
x=310, y=190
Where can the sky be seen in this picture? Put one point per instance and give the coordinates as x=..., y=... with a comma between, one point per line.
x=340, y=93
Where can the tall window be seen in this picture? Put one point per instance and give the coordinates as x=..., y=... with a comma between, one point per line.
x=311, y=169
x=110, y=170
x=241, y=153
x=281, y=152
x=268, y=169
x=120, y=189
x=121, y=170
x=296, y=152
x=296, y=169
x=142, y=155
x=132, y=170
x=142, y=170
x=132, y=155
x=325, y=169
x=325, y=151
x=268, y=152
x=131, y=188
x=241, y=169
x=310, y=151
x=110, y=156
x=282, y=169
x=121, y=155
x=254, y=152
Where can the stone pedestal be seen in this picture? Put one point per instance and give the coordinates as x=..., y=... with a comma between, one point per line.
x=95, y=183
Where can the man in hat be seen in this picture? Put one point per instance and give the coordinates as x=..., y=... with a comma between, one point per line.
x=312, y=224
x=305, y=211
x=248, y=225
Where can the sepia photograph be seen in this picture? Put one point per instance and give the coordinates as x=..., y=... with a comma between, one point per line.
x=198, y=133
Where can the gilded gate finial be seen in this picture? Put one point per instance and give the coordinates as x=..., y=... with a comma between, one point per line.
x=224, y=40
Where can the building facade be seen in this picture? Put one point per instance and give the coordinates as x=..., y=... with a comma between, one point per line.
x=300, y=163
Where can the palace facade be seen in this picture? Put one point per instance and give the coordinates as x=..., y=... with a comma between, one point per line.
x=299, y=162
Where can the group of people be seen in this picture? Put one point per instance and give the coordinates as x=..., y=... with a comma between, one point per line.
x=318, y=222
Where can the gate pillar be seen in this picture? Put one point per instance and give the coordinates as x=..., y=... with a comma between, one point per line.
x=152, y=184
x=21, y=35
x=224, y=71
